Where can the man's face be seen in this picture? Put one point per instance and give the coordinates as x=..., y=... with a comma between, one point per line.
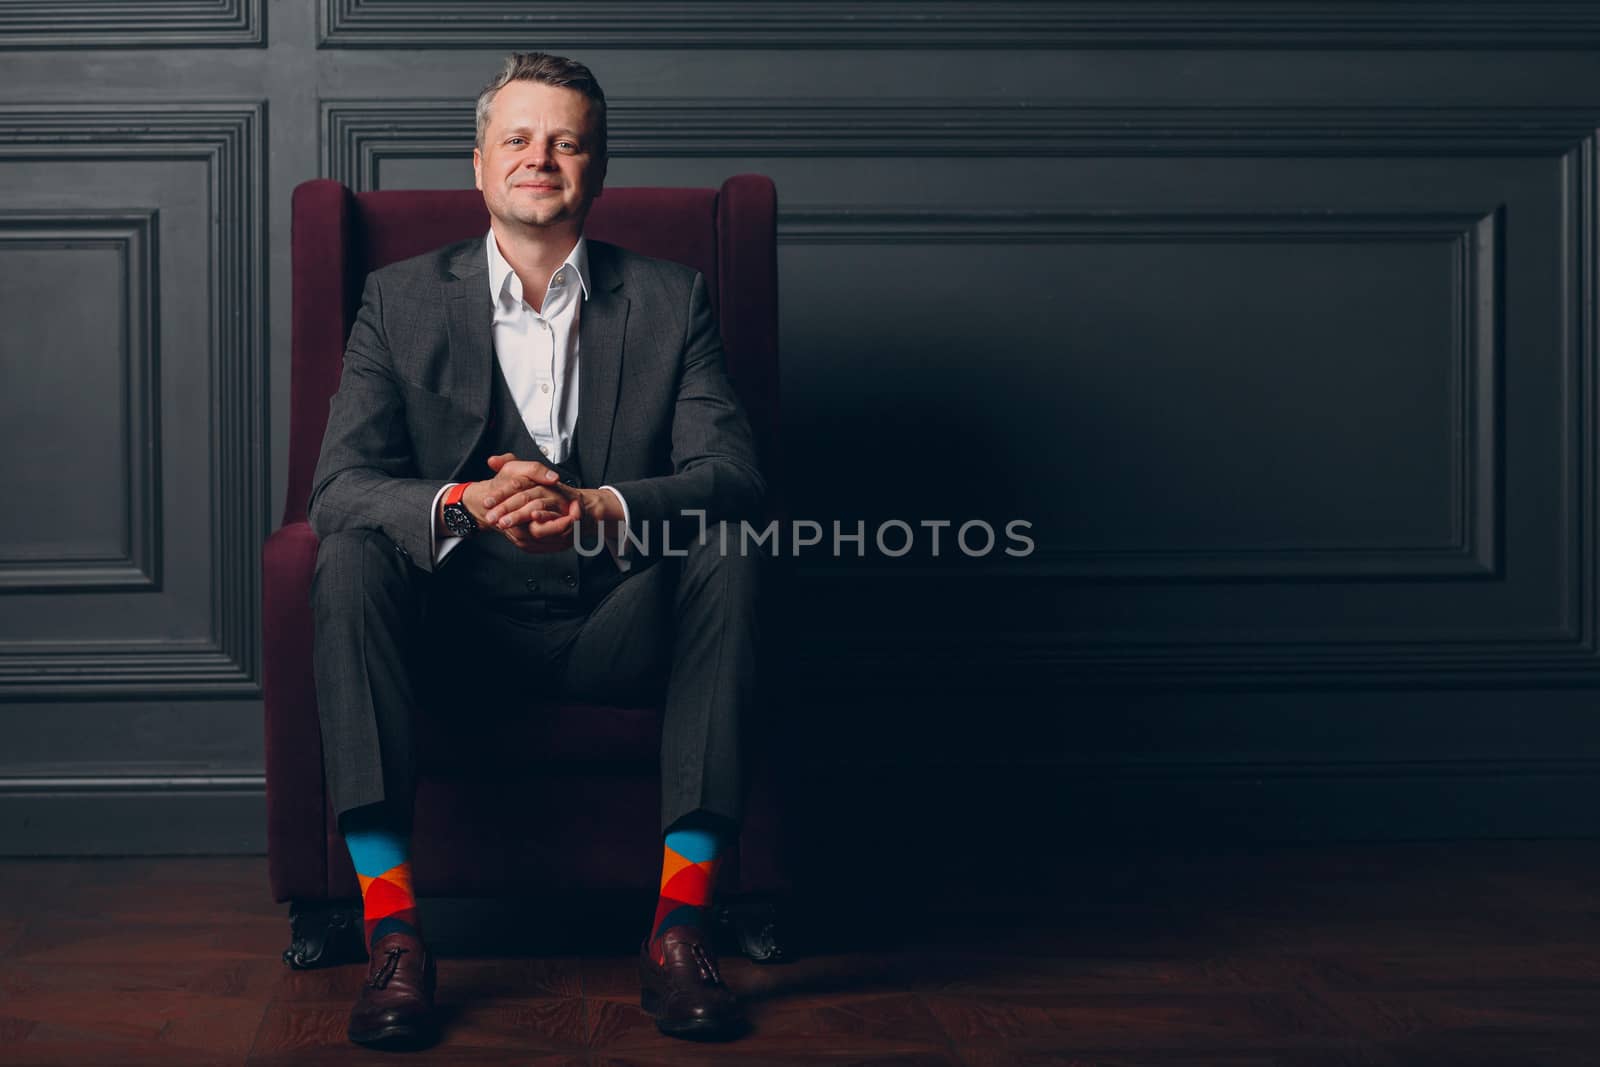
x=539, y=165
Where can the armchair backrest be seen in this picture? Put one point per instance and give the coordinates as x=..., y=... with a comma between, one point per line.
x=728, y=234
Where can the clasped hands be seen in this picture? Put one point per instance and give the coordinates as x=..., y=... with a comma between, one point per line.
x=528, y=503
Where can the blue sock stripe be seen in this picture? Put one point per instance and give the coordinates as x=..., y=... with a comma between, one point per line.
x=685, y=913
x=696, y=846
x=391, y=924
x=375, y=851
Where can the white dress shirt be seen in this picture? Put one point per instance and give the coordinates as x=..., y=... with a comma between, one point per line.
x=538, y=356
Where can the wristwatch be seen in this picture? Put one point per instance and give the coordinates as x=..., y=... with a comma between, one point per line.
x=457, y=519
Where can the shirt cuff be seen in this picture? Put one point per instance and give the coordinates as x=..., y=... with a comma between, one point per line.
x=440, y=548
x=614, y=543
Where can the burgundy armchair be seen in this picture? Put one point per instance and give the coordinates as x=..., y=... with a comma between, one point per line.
x=591, y=772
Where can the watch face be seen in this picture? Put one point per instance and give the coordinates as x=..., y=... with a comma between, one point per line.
x=459, y=521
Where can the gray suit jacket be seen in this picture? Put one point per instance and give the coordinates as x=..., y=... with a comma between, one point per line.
x=657, y=417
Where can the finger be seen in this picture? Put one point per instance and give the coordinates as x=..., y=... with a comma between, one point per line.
x=497, y=508
x=530, y=472
x=537, y=510
x=531, y=544
x=512, y=503
x=498, y=485
x=559, y=525
x=558, y=542
x=504, y=487
x=522, y=474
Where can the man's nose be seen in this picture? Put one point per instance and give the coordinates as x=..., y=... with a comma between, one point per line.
x=538, y=157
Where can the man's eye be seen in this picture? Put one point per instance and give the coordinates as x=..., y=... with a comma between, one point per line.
x=565, y=144
x=515, y=140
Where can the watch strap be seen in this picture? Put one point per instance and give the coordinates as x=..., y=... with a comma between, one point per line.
x=457, y=519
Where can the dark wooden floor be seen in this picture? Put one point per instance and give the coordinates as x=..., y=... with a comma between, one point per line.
x=1397, y=954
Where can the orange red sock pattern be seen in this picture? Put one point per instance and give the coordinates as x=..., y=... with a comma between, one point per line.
x=382, y=860
x=689, y=863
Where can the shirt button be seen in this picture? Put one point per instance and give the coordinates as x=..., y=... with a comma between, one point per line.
x=542, y=452
x=559, y=279
x=533, y=585
x=545, y=388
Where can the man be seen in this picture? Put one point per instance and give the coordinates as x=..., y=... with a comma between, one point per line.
x=507, y=405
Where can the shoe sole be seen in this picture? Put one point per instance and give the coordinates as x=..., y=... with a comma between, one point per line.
x=689, y=1029
x=395, y=1038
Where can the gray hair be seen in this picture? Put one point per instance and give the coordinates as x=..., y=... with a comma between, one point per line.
x=548, y=70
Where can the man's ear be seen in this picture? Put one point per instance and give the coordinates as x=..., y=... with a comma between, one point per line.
x=477, y=169
x=600, y=177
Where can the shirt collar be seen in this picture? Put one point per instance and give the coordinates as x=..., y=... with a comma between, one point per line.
x=503, y=278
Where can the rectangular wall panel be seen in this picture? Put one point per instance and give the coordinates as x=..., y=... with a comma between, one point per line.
x=94, y=373
x=1180, y=360
x=28, y=24
x=184, y=179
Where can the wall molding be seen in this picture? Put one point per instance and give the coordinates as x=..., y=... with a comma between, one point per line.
x=1244, y=800
x=226, y=139
x=131, y=815
x=29, y=24
x=1012, y=24
x=12, y=784
x=358, y=135
x=1433, y=661
x=132, y=237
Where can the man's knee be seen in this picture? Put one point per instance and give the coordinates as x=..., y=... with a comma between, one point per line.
x=349, y=562
x=723, y=553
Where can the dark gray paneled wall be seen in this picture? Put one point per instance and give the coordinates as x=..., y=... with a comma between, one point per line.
x=1276, y=319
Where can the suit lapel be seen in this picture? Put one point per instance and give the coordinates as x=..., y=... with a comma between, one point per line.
x=601, y=330
x=602, y=324
x=471, y=329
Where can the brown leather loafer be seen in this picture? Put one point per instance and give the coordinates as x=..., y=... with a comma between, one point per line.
x=687, y=995
x=395, y=1009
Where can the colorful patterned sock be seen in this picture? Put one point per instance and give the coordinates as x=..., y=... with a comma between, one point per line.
x=688, y=873
x=382, y=858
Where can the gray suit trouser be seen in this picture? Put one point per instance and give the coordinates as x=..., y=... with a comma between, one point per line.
x=394, y=642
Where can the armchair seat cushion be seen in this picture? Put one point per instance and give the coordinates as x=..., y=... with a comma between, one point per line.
x=508, y=742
